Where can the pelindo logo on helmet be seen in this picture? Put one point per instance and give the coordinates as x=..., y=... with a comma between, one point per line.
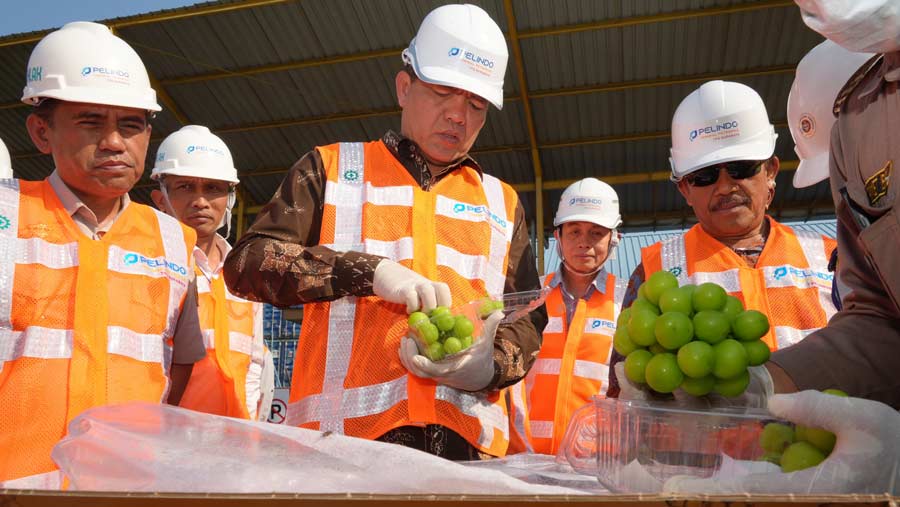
x=590, y=201
x=717, y=131
x=103, y=71
x=471, y=58
x=205, y=149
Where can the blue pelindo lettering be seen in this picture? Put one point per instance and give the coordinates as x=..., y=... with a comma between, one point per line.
x=712, y=129
x=133, y=258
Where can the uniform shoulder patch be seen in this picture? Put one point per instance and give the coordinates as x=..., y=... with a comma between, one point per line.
x=853, y=82
x=877, y=184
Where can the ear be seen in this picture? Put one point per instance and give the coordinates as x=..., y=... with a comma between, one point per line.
x=157, y=196
x=402, y=81
x=684, y=189
x=38, y=130
x=772, y=167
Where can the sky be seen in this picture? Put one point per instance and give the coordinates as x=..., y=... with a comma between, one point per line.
x=21, y=16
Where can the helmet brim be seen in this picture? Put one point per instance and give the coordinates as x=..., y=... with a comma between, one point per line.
x=452, y=78
x=608, y=222
x=90, y=96
x=812, y=170
x=191, y=172
x=760, y=150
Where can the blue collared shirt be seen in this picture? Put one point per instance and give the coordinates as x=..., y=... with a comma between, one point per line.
x=599, y=284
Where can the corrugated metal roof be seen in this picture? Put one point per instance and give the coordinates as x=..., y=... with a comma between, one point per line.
x=628, y=253
x=604, y=77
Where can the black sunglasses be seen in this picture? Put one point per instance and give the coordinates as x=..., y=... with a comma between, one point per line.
x=737, y=170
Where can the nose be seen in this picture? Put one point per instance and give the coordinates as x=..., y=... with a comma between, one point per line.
x=112, y=140
x=455, y=109
x=725, y=184
x=200, y=202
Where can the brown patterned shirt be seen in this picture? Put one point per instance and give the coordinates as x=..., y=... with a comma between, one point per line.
x=279, y=259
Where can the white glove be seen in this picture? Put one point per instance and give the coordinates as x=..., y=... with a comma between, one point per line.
x=469, y=370
x=866, y=458
x=398, y=284
x=760, y=389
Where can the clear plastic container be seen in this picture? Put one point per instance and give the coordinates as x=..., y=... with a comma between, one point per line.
x=514, y=306
x=635, y=446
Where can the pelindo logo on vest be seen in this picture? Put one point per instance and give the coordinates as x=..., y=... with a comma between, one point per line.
x=131, y=259
x=602, y=323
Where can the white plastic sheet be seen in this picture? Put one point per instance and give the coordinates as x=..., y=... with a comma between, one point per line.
x=147, y=447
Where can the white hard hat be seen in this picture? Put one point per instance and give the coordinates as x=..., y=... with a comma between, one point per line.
x=589, y=200
x=85, y=62
x=857, y=25
x=5, y=162
x=462, y=47
x=820, y=76
x=194, y=151
x=720, y=122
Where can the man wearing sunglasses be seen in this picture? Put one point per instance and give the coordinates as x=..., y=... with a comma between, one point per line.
x=723, y=163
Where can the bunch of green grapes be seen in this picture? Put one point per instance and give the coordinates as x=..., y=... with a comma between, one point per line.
x=797, y=447
x=693, y=337
x=440, y=333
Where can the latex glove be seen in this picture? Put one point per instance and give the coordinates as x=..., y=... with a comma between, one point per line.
x=398, y=284
x=866, y=458
x=469, y=370
x=760, y=389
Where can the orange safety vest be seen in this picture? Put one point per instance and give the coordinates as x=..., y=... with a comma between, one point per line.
x=83, y=322
x=573, y=363
x=347, y=376
x=790, y=283
x=218, y=383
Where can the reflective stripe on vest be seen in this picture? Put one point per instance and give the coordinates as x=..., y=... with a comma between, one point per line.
x=221, y=383
x=573, y=364
x=45, y=481
x=325, y=396
x=673, y=257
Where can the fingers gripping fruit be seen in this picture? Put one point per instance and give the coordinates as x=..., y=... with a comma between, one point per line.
x=440, y=333
x=799, y=447
x=696, y=338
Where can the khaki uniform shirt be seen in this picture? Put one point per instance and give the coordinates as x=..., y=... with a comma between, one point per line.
x=187, y=340
x=859, y=350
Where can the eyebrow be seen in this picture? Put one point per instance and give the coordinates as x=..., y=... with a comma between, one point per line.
x=93, y=115
x=89, y=115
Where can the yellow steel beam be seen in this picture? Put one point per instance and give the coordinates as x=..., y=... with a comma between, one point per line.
x=307, y=121
x=581, y=90
x=280, y=67
x=667, y=81
x=512, y=30
x=656, y=18
x=151, y=17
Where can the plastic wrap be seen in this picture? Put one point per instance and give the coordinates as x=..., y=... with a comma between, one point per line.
x=147, y=447
x=647, y=447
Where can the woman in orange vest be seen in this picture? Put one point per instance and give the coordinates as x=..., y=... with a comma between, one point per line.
x=581, y=314
x=197, y=179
